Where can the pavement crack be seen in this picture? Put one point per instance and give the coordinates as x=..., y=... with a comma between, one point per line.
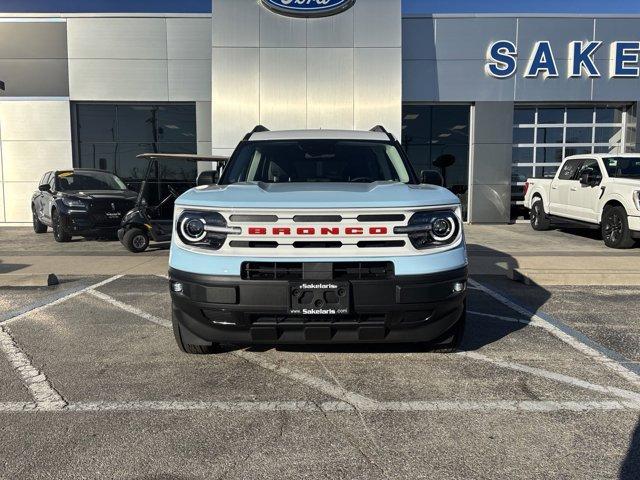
x=350, y=440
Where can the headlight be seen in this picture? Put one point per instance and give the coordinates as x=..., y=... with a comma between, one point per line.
x=205, y=229
x=431, y=228
x=636, y=198
x=74, y=203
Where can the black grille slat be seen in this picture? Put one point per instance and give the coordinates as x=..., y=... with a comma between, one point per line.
x=295, y=271
x=317, y=218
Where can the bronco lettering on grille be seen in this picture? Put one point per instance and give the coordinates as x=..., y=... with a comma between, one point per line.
x=322, y=231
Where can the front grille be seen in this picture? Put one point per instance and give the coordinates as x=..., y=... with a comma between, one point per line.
x=271, y=271
x=295, y=270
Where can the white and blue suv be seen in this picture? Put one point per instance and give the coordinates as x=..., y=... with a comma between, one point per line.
x=318, y=237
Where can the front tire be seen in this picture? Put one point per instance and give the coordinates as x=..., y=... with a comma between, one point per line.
x=59, y=233
x=135, y=240
x=186, y=341
x=38, y=226
x=538, y=217
x=615, y=228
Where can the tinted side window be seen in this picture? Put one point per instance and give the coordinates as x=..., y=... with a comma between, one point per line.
x=569, y=169
x=45, y=179
x=590, y=166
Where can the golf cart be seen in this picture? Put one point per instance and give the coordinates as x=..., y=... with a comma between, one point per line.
x=145, y=221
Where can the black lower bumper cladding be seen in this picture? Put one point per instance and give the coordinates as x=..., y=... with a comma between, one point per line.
x=397, y=309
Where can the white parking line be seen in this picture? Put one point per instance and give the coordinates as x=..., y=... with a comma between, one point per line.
x=319, y=384
x=60, y=300
x=331, y=389
x=17, y=407
x=617, y=367
x=130, y=308
x=558, y=377
x=491, y=406
x=44, y=395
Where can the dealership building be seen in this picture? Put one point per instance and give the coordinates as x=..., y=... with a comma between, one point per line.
x=487, y=100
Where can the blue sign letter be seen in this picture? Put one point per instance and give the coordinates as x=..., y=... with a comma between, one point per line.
x=621, y=56
x=542, y=61
x=581, y=59
x=501, y=59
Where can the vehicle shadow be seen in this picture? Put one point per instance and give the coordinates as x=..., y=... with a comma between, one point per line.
x=11, y=267
x=630, y=469
x=487, y=266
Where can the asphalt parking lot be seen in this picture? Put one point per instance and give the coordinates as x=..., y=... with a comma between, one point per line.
x=93, y=386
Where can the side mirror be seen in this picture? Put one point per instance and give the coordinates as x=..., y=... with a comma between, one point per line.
x=208, y=177
x=431, y=177
x=589, y=179
x=45, y=187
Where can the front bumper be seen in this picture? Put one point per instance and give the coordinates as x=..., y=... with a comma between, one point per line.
x=87, y=223
x=412, y=308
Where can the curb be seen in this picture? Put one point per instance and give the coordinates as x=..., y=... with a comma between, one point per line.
x=28, y=280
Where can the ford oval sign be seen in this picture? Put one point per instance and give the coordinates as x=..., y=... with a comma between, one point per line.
x=308, y=8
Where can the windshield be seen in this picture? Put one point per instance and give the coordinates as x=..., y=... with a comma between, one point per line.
x=78, y=181
x=317, y=161
x=622, y=167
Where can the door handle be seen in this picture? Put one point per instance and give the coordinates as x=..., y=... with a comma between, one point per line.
x=554, y=187
x=573, y=189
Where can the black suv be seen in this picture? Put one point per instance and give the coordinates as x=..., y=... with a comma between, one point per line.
x=82, y=202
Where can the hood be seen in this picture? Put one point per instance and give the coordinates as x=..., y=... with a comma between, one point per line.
x=103, y=194
x=317, y=195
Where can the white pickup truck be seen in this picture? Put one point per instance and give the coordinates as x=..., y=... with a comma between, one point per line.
x=594, y=190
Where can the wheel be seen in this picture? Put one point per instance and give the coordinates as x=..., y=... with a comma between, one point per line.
x=135, y=240
x=38, y=226
x=538, y=217
x=59, y=233
x=615, y=228
x=183, y=338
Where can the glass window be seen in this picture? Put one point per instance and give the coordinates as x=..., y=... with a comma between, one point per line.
x=609, y=114
x=603, y=149
x=436, y=137
x=550, y=115
x=591, y=167
x=549, y=135
x=111, y=135
x=569, y=151
x=522, y=155
x=609, y=135
x=549, y=155
x=524, y=116
x=520, y=174
x=45, y=179
x=579, y=115
x=579, y=134
x=523, y=135
x=96, y=123
x=177, y=123
x=623, y=167
x=546, y=172
x=317, y=161
x=74, y=181
x=569, y=169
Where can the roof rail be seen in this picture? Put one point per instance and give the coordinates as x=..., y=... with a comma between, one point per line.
x=256, y=129
x=381, y=129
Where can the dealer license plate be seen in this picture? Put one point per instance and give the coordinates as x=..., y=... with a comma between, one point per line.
x=319, y=297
